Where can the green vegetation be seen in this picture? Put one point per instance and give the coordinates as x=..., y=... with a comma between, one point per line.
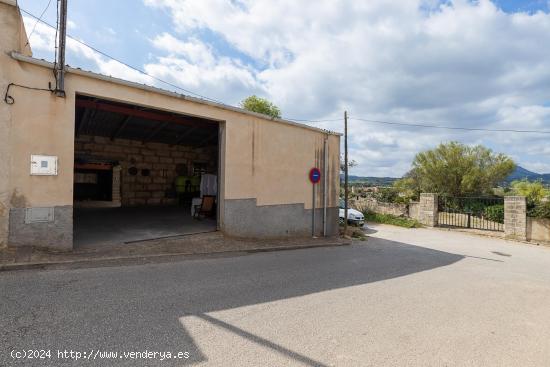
x=535, y=192
x=391, y=219
x=455, y=169
x=495, y=213
x=541, y=210
x=261, y=105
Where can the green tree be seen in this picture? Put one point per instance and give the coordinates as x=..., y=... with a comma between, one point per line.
x=533, y=191
x=261, y=105
x=456, y=169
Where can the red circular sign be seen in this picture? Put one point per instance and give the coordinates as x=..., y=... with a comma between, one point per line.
x=315, y=175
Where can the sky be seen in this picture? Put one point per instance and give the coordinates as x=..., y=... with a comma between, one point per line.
x=460, y=63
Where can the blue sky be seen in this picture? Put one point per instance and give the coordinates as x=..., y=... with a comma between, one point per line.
x=460, y=63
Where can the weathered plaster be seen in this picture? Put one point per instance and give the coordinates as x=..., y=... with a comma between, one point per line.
x=262, y=159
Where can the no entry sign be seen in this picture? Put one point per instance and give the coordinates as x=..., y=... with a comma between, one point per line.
x=315, y=175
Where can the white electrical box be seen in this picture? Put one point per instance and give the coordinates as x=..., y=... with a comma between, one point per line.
x=43, y=165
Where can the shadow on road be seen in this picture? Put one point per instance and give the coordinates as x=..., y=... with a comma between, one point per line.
x=138, y=307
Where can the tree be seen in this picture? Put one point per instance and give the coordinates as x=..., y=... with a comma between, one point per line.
x=261, y=105
x=456, y=169
x=351, y=164
x=535, y=192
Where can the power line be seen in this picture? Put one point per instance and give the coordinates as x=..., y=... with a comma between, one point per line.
x=151, y=76
x=408, y=124
x=122, y=62
x=37, y=20
x=435, y=126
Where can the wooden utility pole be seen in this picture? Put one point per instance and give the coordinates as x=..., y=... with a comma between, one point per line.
x=345, y=173
x=60, y=65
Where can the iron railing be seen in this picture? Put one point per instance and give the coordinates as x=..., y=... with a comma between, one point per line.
x=485, y=213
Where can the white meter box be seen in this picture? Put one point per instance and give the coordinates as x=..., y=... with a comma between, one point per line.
x=43, y=165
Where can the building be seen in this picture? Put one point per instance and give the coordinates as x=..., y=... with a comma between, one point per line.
x=119, y=161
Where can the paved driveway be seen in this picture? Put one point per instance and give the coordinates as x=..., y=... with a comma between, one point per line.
x=404, y=298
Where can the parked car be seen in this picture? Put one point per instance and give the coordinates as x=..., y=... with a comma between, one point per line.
x=355, y=217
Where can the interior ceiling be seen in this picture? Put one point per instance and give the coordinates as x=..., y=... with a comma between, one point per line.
x=124, y=121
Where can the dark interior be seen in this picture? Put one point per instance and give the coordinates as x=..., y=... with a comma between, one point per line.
x=105, y=134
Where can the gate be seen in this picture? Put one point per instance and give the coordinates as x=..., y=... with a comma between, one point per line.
x=485, y=213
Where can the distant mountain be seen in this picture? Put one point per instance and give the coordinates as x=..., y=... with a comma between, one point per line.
x=521, y=173
x=375, y=181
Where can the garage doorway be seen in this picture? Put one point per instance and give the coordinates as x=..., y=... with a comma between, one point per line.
x=142, y=174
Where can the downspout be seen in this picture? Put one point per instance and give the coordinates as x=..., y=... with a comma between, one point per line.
x=325, y=188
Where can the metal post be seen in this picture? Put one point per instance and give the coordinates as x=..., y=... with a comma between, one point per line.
x=325, y=188
x=346, y=173
x=60, y=66
x=313, y=213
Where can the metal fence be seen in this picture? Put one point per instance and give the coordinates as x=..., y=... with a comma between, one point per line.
x=485, y=213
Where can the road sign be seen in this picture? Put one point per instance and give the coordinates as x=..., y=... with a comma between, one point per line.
x=315, y=175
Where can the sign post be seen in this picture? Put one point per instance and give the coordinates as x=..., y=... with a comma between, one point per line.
x=314, y=177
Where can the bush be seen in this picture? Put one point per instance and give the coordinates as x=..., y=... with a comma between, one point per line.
x=541, y=210
x=390, y=195
x=535, y=192
x=391, y=219
x=495, y=213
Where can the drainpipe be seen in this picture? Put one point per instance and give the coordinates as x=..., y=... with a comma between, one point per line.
x=325, y=188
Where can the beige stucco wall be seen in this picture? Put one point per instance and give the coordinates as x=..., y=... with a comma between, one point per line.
x=266, y=160
x=12, y=37
x=538, y=230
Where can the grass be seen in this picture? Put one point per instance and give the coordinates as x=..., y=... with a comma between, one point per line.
x=392, y=219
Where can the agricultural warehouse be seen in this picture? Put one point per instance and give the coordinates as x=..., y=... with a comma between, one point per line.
x=88, y=159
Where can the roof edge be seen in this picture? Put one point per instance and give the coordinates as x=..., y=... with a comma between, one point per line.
x=39, y=62
x=9, y=2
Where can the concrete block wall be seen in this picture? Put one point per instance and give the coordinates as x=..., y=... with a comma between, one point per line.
x=515, y=218
x=160, y=159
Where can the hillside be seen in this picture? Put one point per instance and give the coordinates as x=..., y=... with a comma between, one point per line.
x=519, y=174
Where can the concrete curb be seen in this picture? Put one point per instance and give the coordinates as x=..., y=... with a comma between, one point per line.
x=152, y=258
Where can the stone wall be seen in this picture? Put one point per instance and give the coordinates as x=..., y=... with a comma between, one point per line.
x=428, y=213
x=414, y=210
x=371, y=204
x=159, y=159
x=515, y=218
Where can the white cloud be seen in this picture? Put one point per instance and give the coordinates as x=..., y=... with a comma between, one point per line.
x=462, y=63
x=194, y=65
x=43, y=39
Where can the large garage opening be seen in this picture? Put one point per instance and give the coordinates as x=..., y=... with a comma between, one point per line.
x=142, y=174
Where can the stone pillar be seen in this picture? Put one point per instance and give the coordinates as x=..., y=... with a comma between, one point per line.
x=428, y=210
x=515, y=218
x=116, y=185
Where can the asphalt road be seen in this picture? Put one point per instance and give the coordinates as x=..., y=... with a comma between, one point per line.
x=403, y=298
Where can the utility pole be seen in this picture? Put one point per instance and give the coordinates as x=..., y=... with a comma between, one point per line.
x=60, y=65
x=345, y=173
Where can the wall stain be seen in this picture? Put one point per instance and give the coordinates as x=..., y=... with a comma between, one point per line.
x=17, y=200
x=253, y=146
x=3, y=210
